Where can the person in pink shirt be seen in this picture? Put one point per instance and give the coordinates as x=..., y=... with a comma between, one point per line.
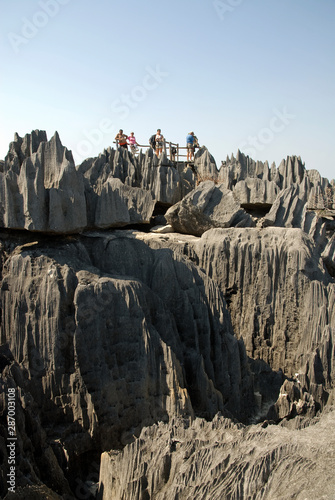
x=132, y=143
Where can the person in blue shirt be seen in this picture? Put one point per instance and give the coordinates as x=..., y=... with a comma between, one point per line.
x=190, y=146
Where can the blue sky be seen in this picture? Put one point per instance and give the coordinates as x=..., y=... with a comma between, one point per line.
x=251, y=74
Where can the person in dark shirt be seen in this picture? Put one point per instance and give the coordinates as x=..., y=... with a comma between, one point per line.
x=190, y=146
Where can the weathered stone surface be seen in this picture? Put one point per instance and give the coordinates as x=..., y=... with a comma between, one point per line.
x=97, y=369
x=32, y=455
x=113, y=336
x=280, y=298
x=290, y=171
x=209, y=205
x=167, y=181
x=113, y=195
x=168, y=184
x=112, y=331
x=254, y=184
x=289, y=208
x=22, y=148
x=256, y=192
x=204, y=165
x=172, y=279
x=328, y=254
x=220, y=460
x=121, y=205
x=234, y=170
x=293, y=401
x=44, y=192
x=2, y=199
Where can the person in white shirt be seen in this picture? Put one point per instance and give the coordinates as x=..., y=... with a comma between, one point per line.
x=159, y=142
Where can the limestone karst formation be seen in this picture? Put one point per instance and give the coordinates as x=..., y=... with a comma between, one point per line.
x=167, y=329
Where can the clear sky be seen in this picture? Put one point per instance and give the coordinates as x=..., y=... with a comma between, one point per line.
x=251, y=74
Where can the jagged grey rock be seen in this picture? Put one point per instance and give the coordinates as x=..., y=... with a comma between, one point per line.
x=255, y=183
x=22, y=148
x=114, y=335
x=119, y=205
x=220, y=460
x=204, y=165
x=209, y=205
x=290, y=171
x=43, y=191
x=160, y=176
x=280, y=298
x=35, y=459
x=328, y=254
x=291, y=195
x=293, y=401
x=254, y=192
x=111, y=331
x=288, y=209
x=234, y=170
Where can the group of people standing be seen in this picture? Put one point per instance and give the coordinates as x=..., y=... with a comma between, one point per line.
x=124, y=141
x=156, y=142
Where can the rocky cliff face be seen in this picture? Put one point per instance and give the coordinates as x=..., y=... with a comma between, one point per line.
x=113, y=335
x=220, y=459
x=120, y=333
x=105, y=331
x=280, y=300
x=43, y=191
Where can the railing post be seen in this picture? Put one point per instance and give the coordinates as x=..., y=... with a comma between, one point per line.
x=177, y=152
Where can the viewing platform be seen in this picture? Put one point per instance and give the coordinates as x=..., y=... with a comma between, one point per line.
x=173, y=151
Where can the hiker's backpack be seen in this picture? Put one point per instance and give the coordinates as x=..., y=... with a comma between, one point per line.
x=152, y=141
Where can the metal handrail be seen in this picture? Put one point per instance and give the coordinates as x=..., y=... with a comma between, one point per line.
x=173, y=157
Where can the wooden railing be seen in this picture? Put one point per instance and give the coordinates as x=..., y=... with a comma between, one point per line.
x=171, y=149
